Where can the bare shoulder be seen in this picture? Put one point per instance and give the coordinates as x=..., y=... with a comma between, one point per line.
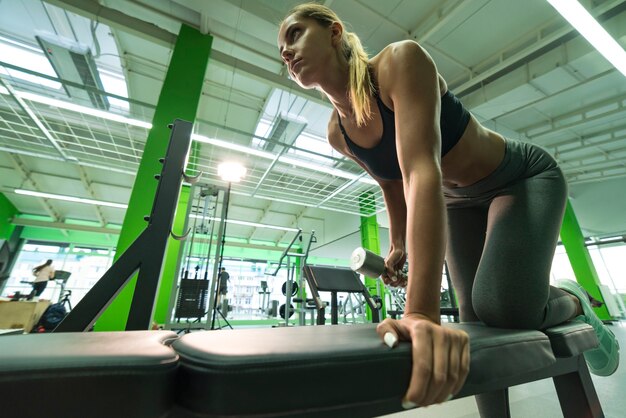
x=403, y=65
x=405, y=52
x=335, y=137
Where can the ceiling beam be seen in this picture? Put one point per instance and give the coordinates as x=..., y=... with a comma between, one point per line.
x=92, y=9
x=64, y=226
x=436, y=19
x=545, y=96
x=259, y=219
x=87, y=183
x=294, y=224
x=598, y=110
x=21, y=168
x=609, y=135
x=404, y=31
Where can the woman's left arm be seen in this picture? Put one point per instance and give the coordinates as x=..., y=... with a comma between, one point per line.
x=440, y=354
x=416, y=100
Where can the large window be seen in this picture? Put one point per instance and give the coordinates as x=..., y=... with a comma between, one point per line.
x=561, y=267
x=245, y=294
x=86, y=266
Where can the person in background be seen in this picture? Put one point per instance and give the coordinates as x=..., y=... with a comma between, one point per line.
x=224, y=278
x=43, y=273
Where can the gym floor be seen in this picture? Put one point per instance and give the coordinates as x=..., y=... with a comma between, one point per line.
x=539, y=399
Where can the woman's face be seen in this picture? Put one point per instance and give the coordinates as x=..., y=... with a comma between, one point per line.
x=306, y=47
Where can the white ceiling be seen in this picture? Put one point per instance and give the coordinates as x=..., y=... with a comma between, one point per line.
x=517, y=65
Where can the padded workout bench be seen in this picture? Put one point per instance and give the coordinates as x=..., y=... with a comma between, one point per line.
x=270, y=372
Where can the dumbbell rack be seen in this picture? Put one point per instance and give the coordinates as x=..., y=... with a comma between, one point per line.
x=146, y=254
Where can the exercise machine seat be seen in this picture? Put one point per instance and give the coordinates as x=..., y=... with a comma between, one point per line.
x=340, y=370
x=93, y=374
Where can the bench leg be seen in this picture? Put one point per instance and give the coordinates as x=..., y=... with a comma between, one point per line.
x=577, y=395
x=494, y=404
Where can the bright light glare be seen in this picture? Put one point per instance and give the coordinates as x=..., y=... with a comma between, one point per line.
x=588, y=27
x=26, y=58
x=231, y=172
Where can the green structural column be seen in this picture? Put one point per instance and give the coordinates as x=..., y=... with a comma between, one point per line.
x=179, y=98
x=574, y=243
x=10, y=238
x=370, y=240
x=7, y=212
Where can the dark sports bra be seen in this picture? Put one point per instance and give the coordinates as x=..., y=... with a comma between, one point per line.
x=382, y=160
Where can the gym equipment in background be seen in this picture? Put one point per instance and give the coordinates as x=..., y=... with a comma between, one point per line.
x=334, y=280
x=194, y=293
x=291, y=287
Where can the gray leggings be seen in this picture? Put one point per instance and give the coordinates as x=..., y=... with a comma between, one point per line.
x=502, y=232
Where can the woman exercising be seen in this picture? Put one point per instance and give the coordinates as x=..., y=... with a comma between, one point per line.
x=497, y=203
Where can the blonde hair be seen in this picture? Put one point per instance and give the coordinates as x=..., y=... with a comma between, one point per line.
x=361, y=86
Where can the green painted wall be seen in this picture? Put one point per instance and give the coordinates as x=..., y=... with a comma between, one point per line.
x=179, y=98
x=584, y=270
x=7, y=212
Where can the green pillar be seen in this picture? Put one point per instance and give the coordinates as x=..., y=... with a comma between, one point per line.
x=370, y=240
x=584, y=270
x=179, y=98
x=7, y=212
x=10, y=237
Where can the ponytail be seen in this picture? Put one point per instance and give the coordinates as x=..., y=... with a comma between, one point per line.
x=361, y=86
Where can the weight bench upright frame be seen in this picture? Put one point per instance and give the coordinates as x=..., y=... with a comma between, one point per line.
x=146, y=253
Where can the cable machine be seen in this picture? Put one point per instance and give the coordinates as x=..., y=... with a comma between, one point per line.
x=292, y=287
x=194, y=292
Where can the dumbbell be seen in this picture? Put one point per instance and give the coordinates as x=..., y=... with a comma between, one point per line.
x=369, y=264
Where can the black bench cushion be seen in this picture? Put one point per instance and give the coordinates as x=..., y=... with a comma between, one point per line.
x=95, y=374
x=572, y=338
x=316, y=370
x=329, y=279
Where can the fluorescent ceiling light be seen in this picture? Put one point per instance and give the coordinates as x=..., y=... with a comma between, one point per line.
x=77, y=108
x=70, y=198
x=616, y=238
x=588, y=27
x=82, y=109
x=234, y=147
x=246, y=223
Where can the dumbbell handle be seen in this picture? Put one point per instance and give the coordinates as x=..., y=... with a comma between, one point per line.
x=369, y=264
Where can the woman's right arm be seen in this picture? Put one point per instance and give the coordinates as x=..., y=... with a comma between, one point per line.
x=393, y=194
